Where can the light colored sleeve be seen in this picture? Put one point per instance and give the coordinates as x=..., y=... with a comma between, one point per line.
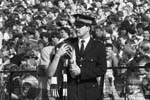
x=45, y=56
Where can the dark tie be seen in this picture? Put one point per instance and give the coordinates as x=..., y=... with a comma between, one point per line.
x=82, y=47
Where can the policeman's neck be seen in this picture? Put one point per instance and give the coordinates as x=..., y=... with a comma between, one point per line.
x=85, y=36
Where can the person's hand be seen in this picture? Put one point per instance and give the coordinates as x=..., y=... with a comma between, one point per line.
x=72, y=55
x=75, y=70
x=62, y=50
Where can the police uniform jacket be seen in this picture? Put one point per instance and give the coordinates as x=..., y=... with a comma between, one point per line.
x=92, y=64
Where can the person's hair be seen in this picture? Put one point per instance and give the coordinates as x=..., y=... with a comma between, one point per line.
x=140, y=25
x=109, y=45
x=121, y=28
x=108, y=29
x=46, y=34
x=43, y=34
x=42, y=42
x=65, y=29
x=98, y=27
x=55, y=34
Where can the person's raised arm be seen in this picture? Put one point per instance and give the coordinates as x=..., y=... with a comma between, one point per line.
x=54, y=63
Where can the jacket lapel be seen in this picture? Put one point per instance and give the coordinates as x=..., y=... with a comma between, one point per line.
x=89, y=46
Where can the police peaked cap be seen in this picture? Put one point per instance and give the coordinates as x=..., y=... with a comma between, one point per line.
x=84, y=19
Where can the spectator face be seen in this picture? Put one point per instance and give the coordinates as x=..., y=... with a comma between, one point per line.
x=146, y=35
x=41, y=46
x=50, y=4
x=70, y=1
x=83, y=31
x=79, y=9
x=51, y=15
x=123, y=32
x=12, y=51
x=21, y=10
x=100, y=12
x=45, y=39
x=99, y=32
x=28, y=18
x=108, y=38
x=18, y=28
x=61, y=4
x=68, y=11
x=140, y=30
x=64, y=34
x=55, y=40
x=64, y=23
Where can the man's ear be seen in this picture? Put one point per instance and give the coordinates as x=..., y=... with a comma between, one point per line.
x=89, y=28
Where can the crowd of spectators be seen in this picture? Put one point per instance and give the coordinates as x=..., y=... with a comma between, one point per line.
x=27, y=26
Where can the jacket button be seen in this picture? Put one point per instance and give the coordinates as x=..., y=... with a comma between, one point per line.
x=80, y=65
x=92, y=60
x=81, y=59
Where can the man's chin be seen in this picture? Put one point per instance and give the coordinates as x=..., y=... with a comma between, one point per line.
x=78, y=35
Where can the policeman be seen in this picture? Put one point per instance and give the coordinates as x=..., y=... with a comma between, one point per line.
x=88, y=64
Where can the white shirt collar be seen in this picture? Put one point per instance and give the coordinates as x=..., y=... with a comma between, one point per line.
x=85, y=43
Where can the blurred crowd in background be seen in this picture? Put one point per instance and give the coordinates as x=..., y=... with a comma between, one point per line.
x=28, y=26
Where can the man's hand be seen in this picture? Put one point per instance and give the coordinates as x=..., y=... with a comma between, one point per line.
x=74, y=68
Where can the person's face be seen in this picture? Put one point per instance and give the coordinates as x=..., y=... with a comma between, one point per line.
x=28, y=17
x=68, y=11
x=108, y=38
x=123, y=32
x=146, y=35
x=100, y=12
x=140, y=30
x=55, y=40
x=41, y=46
x=70, y=1
x=61, y=4
x=19, y=28
x=63, y=34
x=50, y=4
x=12, y=51
x=99, y=32
x=21, y=10
x=51, y=15
x=64, y=23
x=45, y=39
x=83, y=32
